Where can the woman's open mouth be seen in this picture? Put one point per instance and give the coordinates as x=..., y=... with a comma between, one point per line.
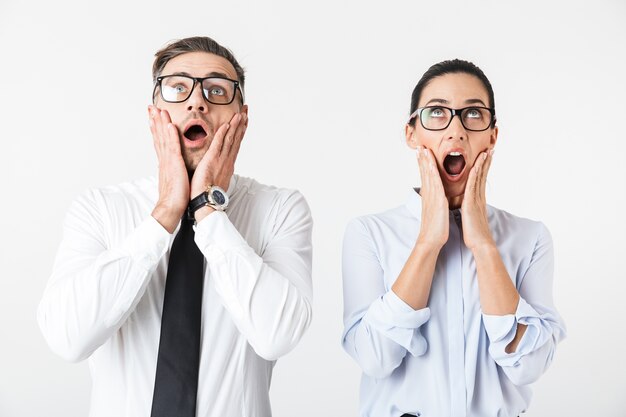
x=454, y=164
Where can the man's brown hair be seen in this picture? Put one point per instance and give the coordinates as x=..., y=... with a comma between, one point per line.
x=194, y=44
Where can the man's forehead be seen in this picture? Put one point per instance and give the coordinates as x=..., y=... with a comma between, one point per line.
x=200, y=64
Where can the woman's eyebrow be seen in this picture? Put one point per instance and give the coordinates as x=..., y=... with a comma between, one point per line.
x=444, y=101
x=474, y=101
x=437, y=100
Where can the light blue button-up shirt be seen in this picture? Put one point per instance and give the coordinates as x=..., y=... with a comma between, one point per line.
x=448, y=359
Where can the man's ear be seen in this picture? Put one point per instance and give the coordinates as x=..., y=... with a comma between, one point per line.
x=411, y=137
x=244, y=110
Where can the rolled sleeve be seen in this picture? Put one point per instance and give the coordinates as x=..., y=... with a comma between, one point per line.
x=536, y=310
x=501, y=331
x=379, y=328
x=397, y=321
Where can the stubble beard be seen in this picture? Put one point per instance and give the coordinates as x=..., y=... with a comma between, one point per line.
x=191, y=159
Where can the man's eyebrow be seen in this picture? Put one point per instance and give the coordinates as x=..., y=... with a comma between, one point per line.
x=211, y=74
x=217, y=74
x=181, y=73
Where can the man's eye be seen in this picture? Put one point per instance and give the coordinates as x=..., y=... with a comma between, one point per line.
x=216, y=91
x=179, y=88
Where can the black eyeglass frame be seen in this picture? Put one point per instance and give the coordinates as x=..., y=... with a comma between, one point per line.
x=455, y=112
x=196, y=80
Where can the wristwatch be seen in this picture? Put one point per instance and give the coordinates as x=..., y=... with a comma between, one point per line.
x=214, y=196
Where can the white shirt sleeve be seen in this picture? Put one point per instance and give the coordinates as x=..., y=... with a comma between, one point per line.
x=268, y=295
x=535, y=309
x=94, y=287
x=380, y=328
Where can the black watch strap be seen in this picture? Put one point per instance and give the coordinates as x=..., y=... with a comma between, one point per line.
x=197, y=203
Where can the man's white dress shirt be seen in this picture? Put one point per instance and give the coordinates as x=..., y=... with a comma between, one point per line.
x=105, y=296
x=448, y=359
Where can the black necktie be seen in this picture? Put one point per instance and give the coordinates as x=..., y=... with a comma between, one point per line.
x=176, y=383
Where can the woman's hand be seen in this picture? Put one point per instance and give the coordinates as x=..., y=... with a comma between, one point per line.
x=435, y=217
x=476, y=233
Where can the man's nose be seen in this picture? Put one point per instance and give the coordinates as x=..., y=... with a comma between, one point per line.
x=196, y=101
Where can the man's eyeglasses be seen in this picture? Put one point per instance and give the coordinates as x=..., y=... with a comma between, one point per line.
x=215, y=90
x=475, y=119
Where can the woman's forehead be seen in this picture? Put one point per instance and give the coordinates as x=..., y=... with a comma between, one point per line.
x=454, y=88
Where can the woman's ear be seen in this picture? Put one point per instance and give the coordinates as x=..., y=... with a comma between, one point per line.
x=411, y=137
x=494, y=136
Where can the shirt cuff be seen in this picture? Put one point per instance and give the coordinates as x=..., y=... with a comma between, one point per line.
x=148, y=243
x=399, y=322
x=502, y=329
x=216, y=235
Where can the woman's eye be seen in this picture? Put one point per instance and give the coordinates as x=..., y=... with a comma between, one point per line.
x=437, y=113
x=473, y=114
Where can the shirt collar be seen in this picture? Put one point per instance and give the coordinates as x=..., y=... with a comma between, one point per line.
x=414, y=204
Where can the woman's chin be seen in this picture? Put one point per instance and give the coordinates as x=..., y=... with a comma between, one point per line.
x=455, y=193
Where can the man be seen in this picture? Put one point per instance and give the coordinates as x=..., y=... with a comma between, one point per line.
x=116, y=295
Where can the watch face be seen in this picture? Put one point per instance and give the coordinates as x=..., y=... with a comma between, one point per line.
x=218, y=197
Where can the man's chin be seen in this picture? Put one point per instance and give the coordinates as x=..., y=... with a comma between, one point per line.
x=192, y=160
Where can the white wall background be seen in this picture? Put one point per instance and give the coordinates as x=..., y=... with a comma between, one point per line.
x=75, y=83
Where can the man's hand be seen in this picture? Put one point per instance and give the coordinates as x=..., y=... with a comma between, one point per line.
x=218, y=164
x=173, y=177
x=435, y=222
x=476, y=233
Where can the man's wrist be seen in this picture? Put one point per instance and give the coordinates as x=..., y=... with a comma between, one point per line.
x=166, y=218
x=202, y=212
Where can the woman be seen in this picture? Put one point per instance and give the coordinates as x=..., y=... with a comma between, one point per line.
x=447, y=301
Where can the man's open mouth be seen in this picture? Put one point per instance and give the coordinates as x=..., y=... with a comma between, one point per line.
x=195, y=132
x=454, y=163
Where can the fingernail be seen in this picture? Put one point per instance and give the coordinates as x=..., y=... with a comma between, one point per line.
x=425, y=151
x=484, y=156
x=491, y=151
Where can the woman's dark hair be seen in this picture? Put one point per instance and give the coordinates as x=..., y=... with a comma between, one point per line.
x=453, y=66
